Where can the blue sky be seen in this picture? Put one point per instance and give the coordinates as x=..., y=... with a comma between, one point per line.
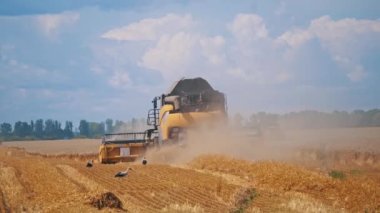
x=72, y=59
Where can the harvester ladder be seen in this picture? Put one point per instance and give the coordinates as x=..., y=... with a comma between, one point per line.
x=153, y=115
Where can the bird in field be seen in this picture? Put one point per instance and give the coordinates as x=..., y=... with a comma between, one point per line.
x=90, y=163
x=123, y=173
x=144, y=161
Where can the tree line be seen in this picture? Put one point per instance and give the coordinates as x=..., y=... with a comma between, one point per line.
x=52, y=129
x=311, y=119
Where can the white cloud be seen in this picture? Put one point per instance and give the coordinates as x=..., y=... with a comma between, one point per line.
x=171, y=55
x=213, y=49
x=191, y=53
x=180, y=50
x=344, y=30
x=355, y=72
x=112, y=62
x=17, y=73
x=120, y=79
x=248, y=27
x=250, y=55
x=343, y=39
x=247, y=56
x=333, y=34
x=50, y=24
x=295, y=38
x=151, y=29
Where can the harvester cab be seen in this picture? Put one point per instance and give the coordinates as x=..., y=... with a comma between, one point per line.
x=188, y=104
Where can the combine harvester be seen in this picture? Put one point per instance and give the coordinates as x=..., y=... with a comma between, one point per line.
x=188, y=104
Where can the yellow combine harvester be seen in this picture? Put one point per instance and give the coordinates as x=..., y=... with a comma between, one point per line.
x=188, y=104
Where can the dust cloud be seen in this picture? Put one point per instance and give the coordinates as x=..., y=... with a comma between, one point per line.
x=221, y=140
x=319, y=147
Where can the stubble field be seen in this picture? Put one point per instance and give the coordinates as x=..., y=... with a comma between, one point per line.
x=336, y=170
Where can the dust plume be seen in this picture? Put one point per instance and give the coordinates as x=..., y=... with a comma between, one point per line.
x=321, y=148
x=221, y=140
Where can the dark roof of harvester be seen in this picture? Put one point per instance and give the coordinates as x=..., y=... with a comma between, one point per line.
x=189, y=86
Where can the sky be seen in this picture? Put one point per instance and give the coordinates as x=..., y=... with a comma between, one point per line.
x=88, y=59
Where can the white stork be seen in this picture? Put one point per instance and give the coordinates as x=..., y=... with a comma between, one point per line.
x=123, y=173
x=144, y=161
x=90, y=163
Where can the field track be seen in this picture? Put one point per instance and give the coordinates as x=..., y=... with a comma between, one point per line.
x=34, y=183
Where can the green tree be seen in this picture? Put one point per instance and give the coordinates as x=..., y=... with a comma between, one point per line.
x=68, y=130
x=358, y=118
x=20, y=129
x=58, y=132
x=109, y=125
x=31, y=129
x=101, y=128
x=6, y=129
x=376, y=119
x=371, y=117
x=39, y=128
x=84, y=129
x=17, y=130
x=49, y=130
x=96, y=129
x=28, y=129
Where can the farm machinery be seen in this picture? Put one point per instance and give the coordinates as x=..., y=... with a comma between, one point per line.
x=188, y=104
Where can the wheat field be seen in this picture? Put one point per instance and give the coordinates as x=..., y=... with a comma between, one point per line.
x=51, y=176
